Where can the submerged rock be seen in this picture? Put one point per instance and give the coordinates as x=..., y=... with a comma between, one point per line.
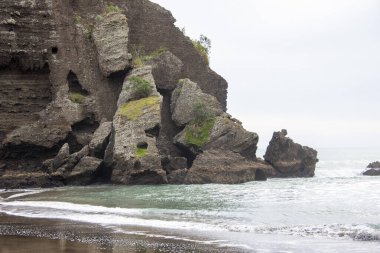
x=373, y=169
x=290, y=159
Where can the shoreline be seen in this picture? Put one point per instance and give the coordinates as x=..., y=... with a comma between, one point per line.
x=64, y=236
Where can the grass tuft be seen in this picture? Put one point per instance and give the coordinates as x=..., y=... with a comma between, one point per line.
x=76, y=97
x=141, y=152
x=134, y=109
x=141, y=88
x=198, y=134
x=110, y=8
x=140, y=57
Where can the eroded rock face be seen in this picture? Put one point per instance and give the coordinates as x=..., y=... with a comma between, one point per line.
x=85, y=171
x=111, y=39
x=224, y=135
x=100, y=140
x=290, y=159
x=132, y=152
x=373, y=169
x=225, y=167
x=167, y=70
x=186, y=97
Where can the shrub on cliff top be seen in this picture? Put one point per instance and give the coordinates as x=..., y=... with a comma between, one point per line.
x=141, y=88
x=110, y=8
x=203, y=46
x=140, y=57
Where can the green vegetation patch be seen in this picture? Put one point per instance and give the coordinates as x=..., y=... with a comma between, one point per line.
x=141, y=88
x=197, y=133
x=203, y=46
x=133, y=110
x=77, y=19
x=140, y=57
x=110, y=8
x=141, y=152
x=77, y=97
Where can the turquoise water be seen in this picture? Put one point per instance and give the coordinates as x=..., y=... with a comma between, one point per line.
x=336, y=211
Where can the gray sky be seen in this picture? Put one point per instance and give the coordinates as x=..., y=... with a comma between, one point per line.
x=310, y=66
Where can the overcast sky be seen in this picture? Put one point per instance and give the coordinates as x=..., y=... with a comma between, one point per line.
x=310, y=66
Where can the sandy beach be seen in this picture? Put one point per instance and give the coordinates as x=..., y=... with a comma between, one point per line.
x=18, y=235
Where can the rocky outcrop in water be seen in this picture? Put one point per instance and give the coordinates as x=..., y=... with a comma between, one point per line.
x=94, y=91
x=290, y=159
x=373, y=169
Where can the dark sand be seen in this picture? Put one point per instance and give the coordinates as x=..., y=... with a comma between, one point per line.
x=19, y=234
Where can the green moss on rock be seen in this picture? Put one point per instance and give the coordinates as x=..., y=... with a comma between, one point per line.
x=141, y=152
x=197, y=134
x=134, y=109
x=77, y=97
x=140, y=87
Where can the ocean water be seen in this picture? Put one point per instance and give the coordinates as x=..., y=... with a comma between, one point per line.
x=336, y=211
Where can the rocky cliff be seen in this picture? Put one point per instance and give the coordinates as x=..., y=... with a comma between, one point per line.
x=111, y=91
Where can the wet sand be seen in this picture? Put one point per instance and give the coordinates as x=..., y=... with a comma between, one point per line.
x=19, y=235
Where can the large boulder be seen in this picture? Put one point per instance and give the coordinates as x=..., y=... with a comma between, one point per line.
x=290, y=159
x=61, y=173
x=111, y=39
x=186, y=97
x=224, y=134
x=225, y=167
x=129, y=93
x=132, y=151
x=99, y=140
x=167, y=70
x=43, y=133
x=373, y=169
x=85, y=171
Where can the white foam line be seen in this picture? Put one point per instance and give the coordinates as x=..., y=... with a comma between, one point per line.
x=95, y=214
x=65, y=206
x=29, y=192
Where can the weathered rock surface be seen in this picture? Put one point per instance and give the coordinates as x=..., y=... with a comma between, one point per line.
x=374, y=165
x=100, y=140
x=167, y=70
x=111, y=39
x=171, y=164
x=132, y=152
x=152, y=27
x=290, y=159
x=373, y=169
x=224, y=135
x=225, y=167
x=66, y=85
x=85, y=171
x=177, y=176
x=186, y=97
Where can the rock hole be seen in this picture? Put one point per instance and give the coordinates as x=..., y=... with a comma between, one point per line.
x=54, y=50
x=153, y=132
x=142, y=145
x=82, y=133
x=260, y=175
x=74, y=84
x=11, y=29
